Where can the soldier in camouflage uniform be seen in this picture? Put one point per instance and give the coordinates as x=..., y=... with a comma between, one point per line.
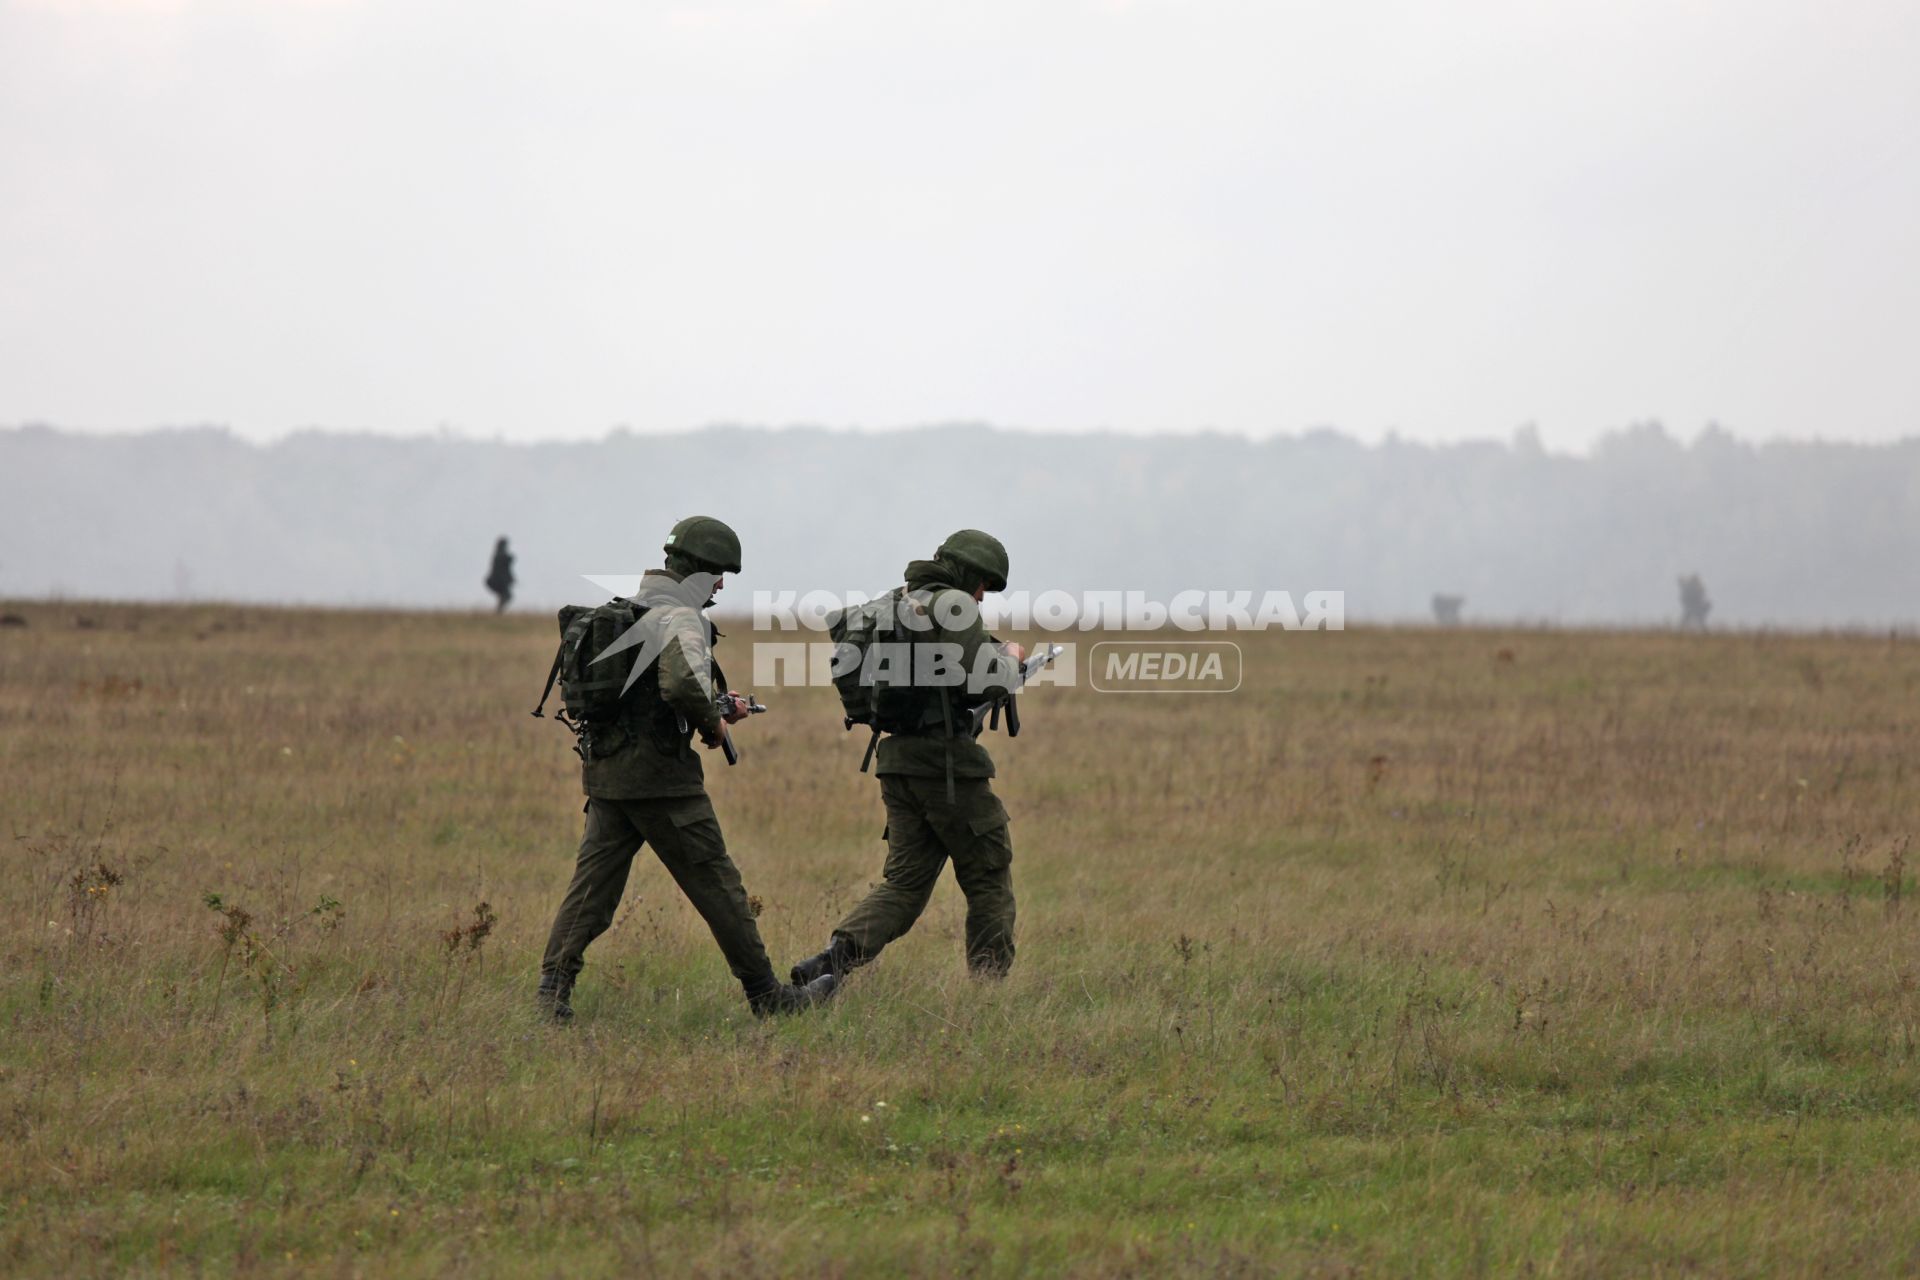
x=649, y=788
x=936, y=782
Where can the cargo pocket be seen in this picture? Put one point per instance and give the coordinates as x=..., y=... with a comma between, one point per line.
x=992, y=843
x=696, y=829
x=981, y=823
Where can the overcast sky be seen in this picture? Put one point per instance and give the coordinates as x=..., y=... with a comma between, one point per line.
x=544, y=220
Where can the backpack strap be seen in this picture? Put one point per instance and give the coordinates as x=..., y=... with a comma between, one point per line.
x=946, y=740
x=553, y=674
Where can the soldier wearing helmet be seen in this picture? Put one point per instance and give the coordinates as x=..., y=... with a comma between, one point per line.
x=936, y=783
x=702, y=544
x=645, y=784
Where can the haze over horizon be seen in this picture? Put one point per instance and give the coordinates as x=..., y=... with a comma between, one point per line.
x=537, y=223
x=1527, y=435
x=1785, y=534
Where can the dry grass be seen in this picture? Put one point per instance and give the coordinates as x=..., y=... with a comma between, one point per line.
x=1435, y=953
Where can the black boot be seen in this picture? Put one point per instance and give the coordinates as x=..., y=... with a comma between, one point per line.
x=836, y=960
x=780, y=999
x=556, y=989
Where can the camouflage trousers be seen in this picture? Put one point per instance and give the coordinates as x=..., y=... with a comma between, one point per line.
x=685, y=835
x=924, y=831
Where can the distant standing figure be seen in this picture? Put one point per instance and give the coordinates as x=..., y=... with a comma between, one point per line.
x=1694, y=605
x=1446, y=610
x=500, y=575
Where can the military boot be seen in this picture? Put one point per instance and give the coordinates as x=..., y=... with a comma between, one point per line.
x=782, y=998
x=556, y=989
x=836, y=961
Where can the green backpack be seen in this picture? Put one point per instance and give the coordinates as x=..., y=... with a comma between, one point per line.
x=594, y=695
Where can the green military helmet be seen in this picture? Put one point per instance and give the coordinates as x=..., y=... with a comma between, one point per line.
x=706, y=540
x=981, y=552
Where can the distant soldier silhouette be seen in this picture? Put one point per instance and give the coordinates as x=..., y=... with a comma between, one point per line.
x=500, y=575
x=1694, y=605
x=1446, y=610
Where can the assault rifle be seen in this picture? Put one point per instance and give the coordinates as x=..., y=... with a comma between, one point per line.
x=987, y=714
x=723, y=703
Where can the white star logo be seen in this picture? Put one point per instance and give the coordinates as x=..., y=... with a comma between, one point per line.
x=672, y=613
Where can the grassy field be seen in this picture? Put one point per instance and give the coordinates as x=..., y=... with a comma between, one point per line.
x=1432, y=953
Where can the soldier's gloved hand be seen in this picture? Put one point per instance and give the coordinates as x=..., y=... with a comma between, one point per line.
x=736, y=708
x=1017, y=652
x=710, y=738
